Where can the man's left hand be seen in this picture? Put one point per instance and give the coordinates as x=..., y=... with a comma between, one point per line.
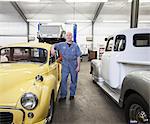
x=78, y=69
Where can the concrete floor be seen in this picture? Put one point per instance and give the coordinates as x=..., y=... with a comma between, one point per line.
x=90, y=106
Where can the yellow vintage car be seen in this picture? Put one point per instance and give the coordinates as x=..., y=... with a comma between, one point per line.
x=29, y=83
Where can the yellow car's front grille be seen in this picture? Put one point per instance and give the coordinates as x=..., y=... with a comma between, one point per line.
x=9, y=115
x=6, y=118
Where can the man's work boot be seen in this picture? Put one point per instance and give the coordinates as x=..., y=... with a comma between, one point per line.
x=71, y=97
x=61, y=99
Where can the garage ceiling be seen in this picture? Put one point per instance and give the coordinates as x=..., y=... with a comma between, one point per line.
x=121, y=9
x=60, y=10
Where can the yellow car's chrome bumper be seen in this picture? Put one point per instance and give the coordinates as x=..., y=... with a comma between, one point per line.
x=11, y=115
x=41, y=122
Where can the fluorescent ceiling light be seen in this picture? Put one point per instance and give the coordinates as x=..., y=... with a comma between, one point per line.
x=85, y=1
x=142, y=1
x=53, y=24
x=78, y=21
x=144, y=21
x=115, y=21
x=20, y=0
x=34, y=20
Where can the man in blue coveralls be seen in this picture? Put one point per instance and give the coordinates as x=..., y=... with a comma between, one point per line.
x=70, y=65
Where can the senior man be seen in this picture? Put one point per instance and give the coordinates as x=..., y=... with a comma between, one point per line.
x=70, y=65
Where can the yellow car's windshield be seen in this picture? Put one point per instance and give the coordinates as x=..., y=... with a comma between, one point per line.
x=23, y=54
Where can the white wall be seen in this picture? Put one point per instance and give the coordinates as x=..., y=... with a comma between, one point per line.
x=13, y=29
x=33, y=29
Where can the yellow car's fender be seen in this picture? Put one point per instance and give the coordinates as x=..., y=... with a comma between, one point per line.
x=49, y=87
x=43, y=91
x=47, y=90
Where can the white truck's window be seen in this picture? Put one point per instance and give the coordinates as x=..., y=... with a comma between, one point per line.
x=109, y=44
x=120, y=43
x=141, y=40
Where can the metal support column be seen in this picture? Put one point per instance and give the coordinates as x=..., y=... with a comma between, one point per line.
x=99, y=8
x=28, y=31
x=92, y=28
x=92, y=35
x=134, y=13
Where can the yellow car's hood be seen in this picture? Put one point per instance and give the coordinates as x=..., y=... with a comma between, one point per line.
x=16, y=79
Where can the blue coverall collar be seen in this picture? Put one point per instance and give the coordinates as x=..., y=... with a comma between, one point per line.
x=71, y=44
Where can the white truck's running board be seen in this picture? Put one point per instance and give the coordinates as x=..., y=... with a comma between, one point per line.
x=115, y=94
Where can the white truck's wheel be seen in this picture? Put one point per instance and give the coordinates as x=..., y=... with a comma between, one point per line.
x=136, y=110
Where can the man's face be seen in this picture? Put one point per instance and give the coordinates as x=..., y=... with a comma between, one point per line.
x=69, y=37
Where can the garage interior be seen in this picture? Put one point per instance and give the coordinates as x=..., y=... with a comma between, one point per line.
x=95, y=21
x=91, y=105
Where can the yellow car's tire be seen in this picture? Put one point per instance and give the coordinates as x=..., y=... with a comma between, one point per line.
x=51, y=110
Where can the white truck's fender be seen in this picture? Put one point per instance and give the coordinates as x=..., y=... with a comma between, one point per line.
x=132, y=83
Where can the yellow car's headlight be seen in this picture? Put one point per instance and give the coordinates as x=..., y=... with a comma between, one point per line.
x=29, y=101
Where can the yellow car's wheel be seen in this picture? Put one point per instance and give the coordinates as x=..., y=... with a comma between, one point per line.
x=51, y=110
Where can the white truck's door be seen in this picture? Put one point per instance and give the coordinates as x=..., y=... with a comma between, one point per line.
x=106, y=59
x=110, y=66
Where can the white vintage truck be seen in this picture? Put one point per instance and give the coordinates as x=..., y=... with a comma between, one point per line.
x=124, y=73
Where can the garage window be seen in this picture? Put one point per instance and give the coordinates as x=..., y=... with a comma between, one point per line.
x=141, y=40
x=120, y=43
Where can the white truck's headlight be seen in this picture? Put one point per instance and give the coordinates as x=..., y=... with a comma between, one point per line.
x=29, y=101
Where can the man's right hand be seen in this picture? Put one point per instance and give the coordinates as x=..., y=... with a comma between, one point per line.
x=53, y=51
